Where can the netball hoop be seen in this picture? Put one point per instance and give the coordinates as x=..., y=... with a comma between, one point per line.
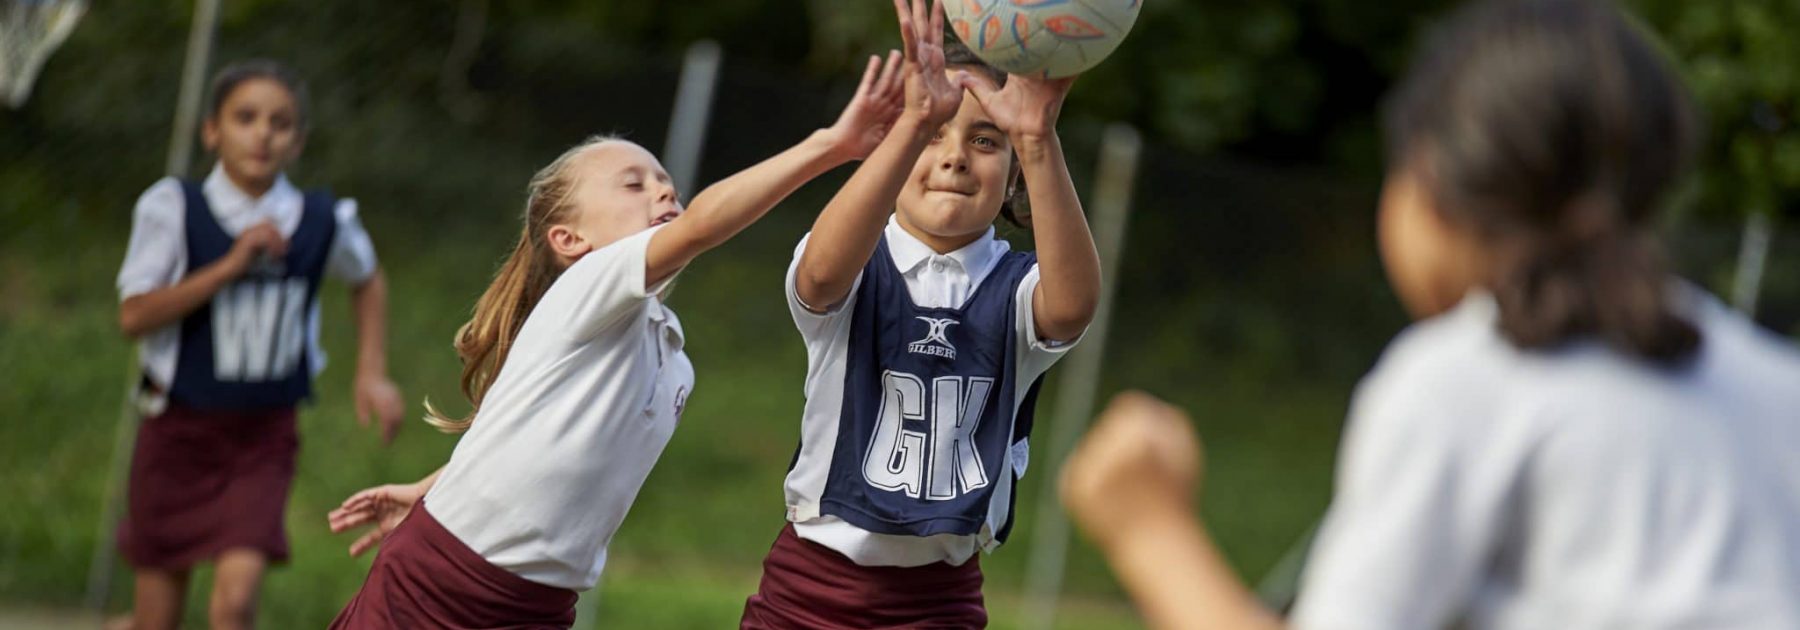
x=29, y=31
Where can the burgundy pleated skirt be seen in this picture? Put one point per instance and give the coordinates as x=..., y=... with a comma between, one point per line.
x=424, y=577
x=807, y=585
x=205, y=481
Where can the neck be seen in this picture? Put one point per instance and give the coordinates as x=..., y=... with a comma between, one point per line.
x=252, y=187
x=939, y=244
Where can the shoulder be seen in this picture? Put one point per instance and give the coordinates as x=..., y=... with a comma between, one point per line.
x=1443, y=370
x=165, y=197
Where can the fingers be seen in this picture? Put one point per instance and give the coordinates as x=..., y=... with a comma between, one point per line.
x=937, y=24
x=390, y=427
x=366, y=497
x=341, y=521
x=870, y=79
x=908, y=40
x=367, y=542
x=977, y=85
x=892, y=81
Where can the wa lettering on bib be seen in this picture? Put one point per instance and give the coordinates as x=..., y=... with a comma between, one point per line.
x=928, y=415
x=247, y=347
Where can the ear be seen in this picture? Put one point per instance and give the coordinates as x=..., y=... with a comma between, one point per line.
x=209, y=133
x=566, y=243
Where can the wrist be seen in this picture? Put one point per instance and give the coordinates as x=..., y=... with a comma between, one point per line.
x=914, y=126
x=371, y=369
x=1144, y=530
x=830, y=143
x=1035, y=144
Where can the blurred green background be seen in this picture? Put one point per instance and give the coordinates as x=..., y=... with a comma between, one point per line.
x=1249, y=292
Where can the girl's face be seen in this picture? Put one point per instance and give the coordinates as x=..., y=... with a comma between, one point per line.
x=256, y=133
x=1430, y=261
x=621, y=189
x=957, y=186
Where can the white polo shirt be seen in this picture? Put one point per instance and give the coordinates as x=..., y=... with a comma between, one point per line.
x=1574, y=488
x=580, y=412
x=157, y=255
x=934, y=281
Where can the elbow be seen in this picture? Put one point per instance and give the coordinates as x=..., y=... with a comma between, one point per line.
x=817, y=290
x=1067, y=323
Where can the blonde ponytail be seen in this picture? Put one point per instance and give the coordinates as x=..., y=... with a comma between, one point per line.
x=484, y=342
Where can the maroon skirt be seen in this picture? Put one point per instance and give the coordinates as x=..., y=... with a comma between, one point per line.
x=424, y=577
x=807, y=585
x=205, y=481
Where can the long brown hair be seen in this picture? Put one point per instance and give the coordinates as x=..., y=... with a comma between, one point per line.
x=487, y=338
x=1555, y=130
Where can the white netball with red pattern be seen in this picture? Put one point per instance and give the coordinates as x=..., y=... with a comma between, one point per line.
x=1054, y=38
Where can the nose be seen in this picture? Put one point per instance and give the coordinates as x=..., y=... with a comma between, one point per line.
x=952, y=157
x=667, y=193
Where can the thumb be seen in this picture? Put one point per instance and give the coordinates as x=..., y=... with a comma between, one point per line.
x=979, y=86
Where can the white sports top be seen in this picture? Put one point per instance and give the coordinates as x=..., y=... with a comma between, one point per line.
x=571, y=427
x=1574, y=488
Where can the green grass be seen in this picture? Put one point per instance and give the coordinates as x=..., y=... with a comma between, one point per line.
x=689, y=552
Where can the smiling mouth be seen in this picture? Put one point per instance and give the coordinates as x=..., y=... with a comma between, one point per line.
x=664, y=218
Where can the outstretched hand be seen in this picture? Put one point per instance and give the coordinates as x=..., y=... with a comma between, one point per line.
x=1142, y=457
x=931, y=96
x=873, y=110
x=1027, y=106
x=381, y=506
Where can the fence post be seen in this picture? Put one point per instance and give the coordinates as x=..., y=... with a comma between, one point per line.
x=1115, y=176
x=181, y=148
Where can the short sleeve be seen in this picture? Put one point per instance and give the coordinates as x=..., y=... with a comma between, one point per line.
x=1419, y=505
x=816, y=326
x=604, y=285
x=157, y=251
x=352, y=257
x=1035, y=355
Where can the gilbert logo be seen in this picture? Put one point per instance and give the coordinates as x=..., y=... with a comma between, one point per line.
x=937, y=340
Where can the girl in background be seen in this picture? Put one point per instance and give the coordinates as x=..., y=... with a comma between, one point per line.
x=220, y=286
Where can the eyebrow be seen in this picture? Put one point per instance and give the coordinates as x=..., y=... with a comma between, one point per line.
x=985, y=125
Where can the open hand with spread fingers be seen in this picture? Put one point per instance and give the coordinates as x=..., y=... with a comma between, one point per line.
x=932, y=96
x=872, y=111
x=384, y=507
x=1027, y=108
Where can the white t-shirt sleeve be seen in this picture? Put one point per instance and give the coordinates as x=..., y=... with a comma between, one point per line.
x=352, y=257
x=157, y=250
x=1035, y=355
x=603, y=286
x=1418, y=508
x=817, y=328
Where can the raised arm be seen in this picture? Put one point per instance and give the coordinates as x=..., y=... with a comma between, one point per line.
x=844, y=235
x=727, y=207
x=1068, y=288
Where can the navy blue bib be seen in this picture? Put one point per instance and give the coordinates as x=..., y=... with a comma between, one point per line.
x=928, y=405
x=247, y=347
